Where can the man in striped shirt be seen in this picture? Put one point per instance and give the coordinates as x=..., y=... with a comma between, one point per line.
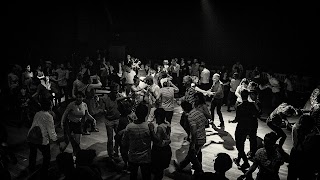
x=197, y=122
x=137, y=139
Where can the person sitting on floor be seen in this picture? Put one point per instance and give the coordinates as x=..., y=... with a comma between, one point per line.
x=222, y=164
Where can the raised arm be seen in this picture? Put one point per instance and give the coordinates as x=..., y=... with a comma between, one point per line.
x=175, y=88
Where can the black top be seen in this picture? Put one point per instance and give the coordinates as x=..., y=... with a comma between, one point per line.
x=246, y=115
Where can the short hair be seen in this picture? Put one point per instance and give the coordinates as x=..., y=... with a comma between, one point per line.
x=188, y=79
x=148, y=80
x=186, y=106
x=113, y=96
x=306, y=122
x=45, y=104
x=201, y=98
x=160, y=113
x=271, y=137
x=290, y=111
x=79, y=93
x=223, y=162
x=244, y=94
x=244, y=80
x=217, y=75
x=85, y=157
x=65, y=162
x=141, y=112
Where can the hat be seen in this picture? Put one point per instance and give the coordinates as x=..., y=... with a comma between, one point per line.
x=48, y=62
x=166, y=61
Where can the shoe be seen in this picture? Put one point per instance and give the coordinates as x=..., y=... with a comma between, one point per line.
x=236, y=161
x=250, y=156
x=221, y=125
x=244, y=166
x=86, y=133
x=94, y=130
x=232, y=121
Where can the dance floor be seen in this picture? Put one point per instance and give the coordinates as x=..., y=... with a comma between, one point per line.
x=219, y=140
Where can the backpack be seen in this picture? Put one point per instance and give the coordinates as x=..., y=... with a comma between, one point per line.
x=35, y=135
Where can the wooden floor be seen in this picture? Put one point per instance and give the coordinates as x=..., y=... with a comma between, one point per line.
x=97, y=141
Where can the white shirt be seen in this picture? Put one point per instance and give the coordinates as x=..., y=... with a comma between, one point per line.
x=205, y=76
x=275, y=86
x=44, y=120
x=129, y=76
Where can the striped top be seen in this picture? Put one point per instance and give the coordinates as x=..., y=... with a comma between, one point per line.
x=198, y=120
x=137, y=138
x=167, y=98
x=189, y=95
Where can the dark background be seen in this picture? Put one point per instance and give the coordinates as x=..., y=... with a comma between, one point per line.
x=282, y=36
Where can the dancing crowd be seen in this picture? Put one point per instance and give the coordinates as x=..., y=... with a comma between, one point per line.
x=136, y=101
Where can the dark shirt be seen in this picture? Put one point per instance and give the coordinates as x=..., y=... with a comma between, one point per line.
x=43, y=93
x=218, y=89
x=184, y=70
x=246, y=115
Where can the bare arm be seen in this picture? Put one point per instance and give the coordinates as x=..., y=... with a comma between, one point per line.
x=125, y=138
x=51, y=130
x=175, y=88
x=98, y=85
x=237, y=92
x=200, y=90
x=65, y=114
x=74, y=88
x=251, y=169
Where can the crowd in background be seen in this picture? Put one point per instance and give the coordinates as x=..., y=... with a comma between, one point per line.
x=137, y=108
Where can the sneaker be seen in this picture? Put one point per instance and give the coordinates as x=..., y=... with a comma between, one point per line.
x=86, y=133
x=244, y=166
x=236, y=161
x=221, y=125
x=94, y=130
x=232, y=121
x=249, y=156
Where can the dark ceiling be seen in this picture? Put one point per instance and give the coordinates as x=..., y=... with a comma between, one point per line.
x=273, y=30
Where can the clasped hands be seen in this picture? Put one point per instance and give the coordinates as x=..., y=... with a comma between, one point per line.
x=208, y=93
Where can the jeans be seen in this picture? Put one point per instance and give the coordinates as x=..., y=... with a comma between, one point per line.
x=169, y=115
x=240, y=137
x=195, y=157
x=45, y=150
x=145, y=170
x=216, y=104
x=111, y=126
